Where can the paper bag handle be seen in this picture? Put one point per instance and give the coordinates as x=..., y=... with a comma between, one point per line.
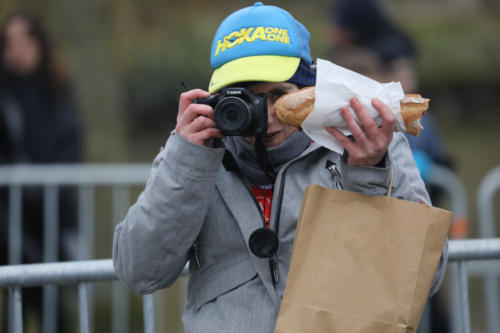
x=389, y=190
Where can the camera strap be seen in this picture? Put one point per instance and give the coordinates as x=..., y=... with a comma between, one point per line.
x=263, y=158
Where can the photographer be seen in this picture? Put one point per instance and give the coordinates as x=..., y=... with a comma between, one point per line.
x=225, y=193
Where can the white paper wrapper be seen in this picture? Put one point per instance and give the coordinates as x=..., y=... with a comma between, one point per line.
x=335, y=86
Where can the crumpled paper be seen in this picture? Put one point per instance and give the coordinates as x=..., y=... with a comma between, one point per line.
x=335, y=86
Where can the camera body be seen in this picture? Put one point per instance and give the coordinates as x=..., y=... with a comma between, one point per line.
x=238, y=111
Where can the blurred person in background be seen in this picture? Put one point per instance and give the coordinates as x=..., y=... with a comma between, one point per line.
x=221, y=203
x=39, y=124
x=364, y=39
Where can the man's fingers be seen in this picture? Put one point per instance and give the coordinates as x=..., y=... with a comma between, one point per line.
x=208, y=133
x=200, y=130
x=344, y=140
x=369, y=125
x=383, y=109
x=205, y=135
x=200, y=123
x=388, y=118
x=370, y=141
x=195, y=122
x=353, y=125
x=187, y=98
x=193, y=111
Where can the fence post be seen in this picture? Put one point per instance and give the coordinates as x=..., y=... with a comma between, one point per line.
x=50, y=253
x=464, y=296
x=486, y=193
x=149, y=313
x=15, y=320
x=455, y=190
x=15, y=224
x=86, y=228
x=83, y=313
x=121, y=299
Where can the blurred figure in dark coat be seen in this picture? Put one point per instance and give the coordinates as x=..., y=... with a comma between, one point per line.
x=365, y=40
x=39, y=123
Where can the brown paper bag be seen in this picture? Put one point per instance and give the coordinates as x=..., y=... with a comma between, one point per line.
x=361, y=263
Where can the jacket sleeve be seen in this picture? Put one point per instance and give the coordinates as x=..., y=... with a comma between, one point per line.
x=407, y=184
x=150, y=245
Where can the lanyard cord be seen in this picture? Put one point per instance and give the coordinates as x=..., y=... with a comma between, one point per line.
x=280, y=201
x=263, y=158
x=280, y=197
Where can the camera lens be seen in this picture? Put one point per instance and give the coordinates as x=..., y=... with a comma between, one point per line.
x=232, y=116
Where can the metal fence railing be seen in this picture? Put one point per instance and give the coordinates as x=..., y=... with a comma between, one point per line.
x=79, y=273
x=91, y=182
x=462, y=252
x=120, y=180
x=488, y=187
x=82, y=273
x=454, y=190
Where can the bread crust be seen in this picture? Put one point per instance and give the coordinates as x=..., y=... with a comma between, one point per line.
x=294, y=107
x=413, y=106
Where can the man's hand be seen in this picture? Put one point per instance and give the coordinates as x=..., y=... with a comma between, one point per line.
x=195, y=122
x=371, y=142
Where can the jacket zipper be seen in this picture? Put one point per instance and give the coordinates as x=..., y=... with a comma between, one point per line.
x=334, y=171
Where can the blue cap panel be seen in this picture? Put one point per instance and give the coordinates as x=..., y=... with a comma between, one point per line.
x=259, y=30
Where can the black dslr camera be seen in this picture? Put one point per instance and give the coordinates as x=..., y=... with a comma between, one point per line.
x=238, y=112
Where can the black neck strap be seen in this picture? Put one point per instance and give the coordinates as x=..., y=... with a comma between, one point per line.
x=229, y=162
x=263, y=158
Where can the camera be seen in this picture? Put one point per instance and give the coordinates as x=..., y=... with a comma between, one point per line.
x=238, y=111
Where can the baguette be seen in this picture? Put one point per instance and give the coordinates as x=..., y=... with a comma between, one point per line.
x=294, y=107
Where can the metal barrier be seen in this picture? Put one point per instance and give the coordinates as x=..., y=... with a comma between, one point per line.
x=120, y=177
x=86, y=178
x=452, y=186
x=77, y=272
x=470, y=250
x=82, y=273
x=488, y=187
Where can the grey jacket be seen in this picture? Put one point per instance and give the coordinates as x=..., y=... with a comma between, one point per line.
x=191, y=197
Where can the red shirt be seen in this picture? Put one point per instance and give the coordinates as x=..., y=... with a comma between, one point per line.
x=264, y=198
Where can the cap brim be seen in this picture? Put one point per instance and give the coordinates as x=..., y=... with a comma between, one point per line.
x=266, y=68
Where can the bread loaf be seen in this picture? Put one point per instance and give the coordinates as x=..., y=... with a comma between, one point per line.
x=294, y=107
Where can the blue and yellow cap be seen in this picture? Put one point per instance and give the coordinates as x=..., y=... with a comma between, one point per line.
x=258, y=43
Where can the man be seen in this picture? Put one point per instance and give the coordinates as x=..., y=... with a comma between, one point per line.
x=218, y=201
